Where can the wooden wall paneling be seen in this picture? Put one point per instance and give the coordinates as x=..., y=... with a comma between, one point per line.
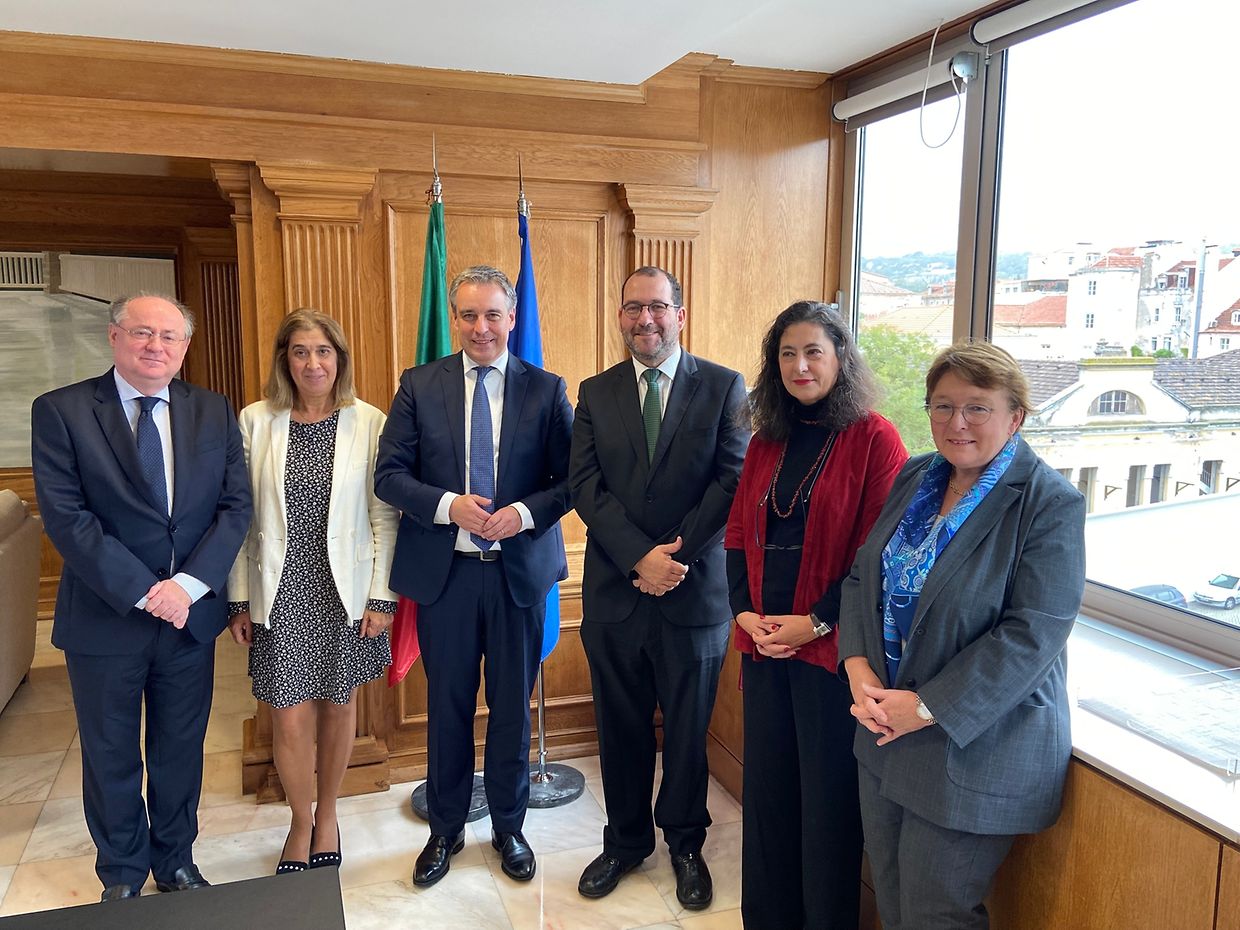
x=769, y=151
x=1228, y=915
x=233, y=180
x=1116, y=860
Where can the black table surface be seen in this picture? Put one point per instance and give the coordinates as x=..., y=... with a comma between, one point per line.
x=307, y=900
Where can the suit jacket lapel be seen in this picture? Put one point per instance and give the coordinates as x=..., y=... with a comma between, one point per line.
x=184, y=419
x=346, y=435
x=1004, y=495
x=624, y=390
x=516, y=380
x=452, y=380
x=110, y=414
x=277, y=460
x=684, y=386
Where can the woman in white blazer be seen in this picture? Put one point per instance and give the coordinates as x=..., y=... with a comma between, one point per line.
x=308, y=593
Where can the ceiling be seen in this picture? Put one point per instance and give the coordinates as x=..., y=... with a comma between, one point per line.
x=590, y=40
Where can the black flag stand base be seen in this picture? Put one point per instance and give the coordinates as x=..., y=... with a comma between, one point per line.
x=551, y=784
x=554, y=784
x=477, y=802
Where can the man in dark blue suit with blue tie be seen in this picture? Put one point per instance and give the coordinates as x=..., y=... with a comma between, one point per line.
x=475, y=455
x=143, y=489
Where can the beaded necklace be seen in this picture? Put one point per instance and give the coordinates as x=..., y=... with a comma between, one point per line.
x=813, y=472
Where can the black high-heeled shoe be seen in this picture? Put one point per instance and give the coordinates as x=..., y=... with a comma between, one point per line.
x=284, y=866
x=326, y=860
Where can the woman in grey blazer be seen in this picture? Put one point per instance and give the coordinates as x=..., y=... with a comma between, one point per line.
x=954, y=622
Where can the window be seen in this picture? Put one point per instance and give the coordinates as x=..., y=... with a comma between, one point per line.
x=1054, y=183
x=1114, y=403
x=1158, y=483
x=1136, y=485
x=1235, y=318
x=1209, y=476
x=1146, y=525
x=904, y=280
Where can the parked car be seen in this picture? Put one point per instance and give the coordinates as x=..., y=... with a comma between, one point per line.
x=1221, y=591
x=1163, y=593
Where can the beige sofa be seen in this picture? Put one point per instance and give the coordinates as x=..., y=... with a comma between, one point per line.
x=20, y=544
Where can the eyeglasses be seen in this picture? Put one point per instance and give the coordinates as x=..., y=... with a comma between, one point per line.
x=974, y=414
x=146, y=334
x=658, y=309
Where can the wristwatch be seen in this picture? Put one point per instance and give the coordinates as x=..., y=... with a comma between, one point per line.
x=821, y=627
x=923, y=711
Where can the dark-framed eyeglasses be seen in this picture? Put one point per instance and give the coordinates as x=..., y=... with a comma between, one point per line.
x=974, y=414
x=658, y=309
x=146, y=334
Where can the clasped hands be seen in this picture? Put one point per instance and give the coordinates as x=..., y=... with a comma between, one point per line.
x=168, y=601
x=657, y=572
x=468, y=511
x=888, y=712
x=777, y=636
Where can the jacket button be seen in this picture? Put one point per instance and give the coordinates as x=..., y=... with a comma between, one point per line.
x=161, y=573
x=649, y=498
x=921, y=631
x=911, y=684
x=173, y=528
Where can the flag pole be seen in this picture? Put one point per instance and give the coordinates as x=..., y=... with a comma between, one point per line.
x=554, y=784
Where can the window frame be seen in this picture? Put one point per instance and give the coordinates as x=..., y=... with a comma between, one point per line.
x=973, y=310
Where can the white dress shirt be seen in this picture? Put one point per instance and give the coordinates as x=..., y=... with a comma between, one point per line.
x=163, y=422
x=494, y=386
x=667, y=374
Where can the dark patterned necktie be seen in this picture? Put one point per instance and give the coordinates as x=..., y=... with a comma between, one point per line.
x=151, y=454
x=481, y=450
x=652, y=411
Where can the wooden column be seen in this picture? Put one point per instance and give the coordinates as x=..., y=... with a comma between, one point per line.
x=670, y=231
x=233, y=179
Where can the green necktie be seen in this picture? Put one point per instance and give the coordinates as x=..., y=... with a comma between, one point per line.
x=652, y=411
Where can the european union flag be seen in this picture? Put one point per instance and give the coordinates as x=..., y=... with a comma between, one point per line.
x=525, y=342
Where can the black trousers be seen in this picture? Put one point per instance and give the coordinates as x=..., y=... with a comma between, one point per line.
x=474, y=619
x=634, y=666
x=801, y=847
x=175, y=676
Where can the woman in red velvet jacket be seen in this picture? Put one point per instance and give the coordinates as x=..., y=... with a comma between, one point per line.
x=815, y=478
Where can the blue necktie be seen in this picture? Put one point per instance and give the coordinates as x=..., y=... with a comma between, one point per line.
x=151, y=454
x=481, y=450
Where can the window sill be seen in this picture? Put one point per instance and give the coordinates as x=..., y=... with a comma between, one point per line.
x=1104, y=659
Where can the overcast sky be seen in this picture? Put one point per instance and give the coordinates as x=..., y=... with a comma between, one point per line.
x=1119, y=129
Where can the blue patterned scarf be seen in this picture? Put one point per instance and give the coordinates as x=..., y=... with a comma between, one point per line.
x=920, y=537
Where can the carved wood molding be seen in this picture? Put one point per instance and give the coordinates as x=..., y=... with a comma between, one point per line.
x=667, y=211
x=318, y=193
x=233, y=180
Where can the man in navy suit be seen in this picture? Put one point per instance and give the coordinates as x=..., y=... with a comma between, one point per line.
x=475, y=455
x=142, y=485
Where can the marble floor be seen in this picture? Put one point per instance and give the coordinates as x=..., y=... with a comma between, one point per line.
x=47, y=858
x=46, y=341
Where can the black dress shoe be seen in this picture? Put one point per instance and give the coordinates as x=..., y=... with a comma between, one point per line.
x=116, y=892
x=694, y=888
x=183, y=879
x=601, y=876
x=435, y=857
x=516, y=857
